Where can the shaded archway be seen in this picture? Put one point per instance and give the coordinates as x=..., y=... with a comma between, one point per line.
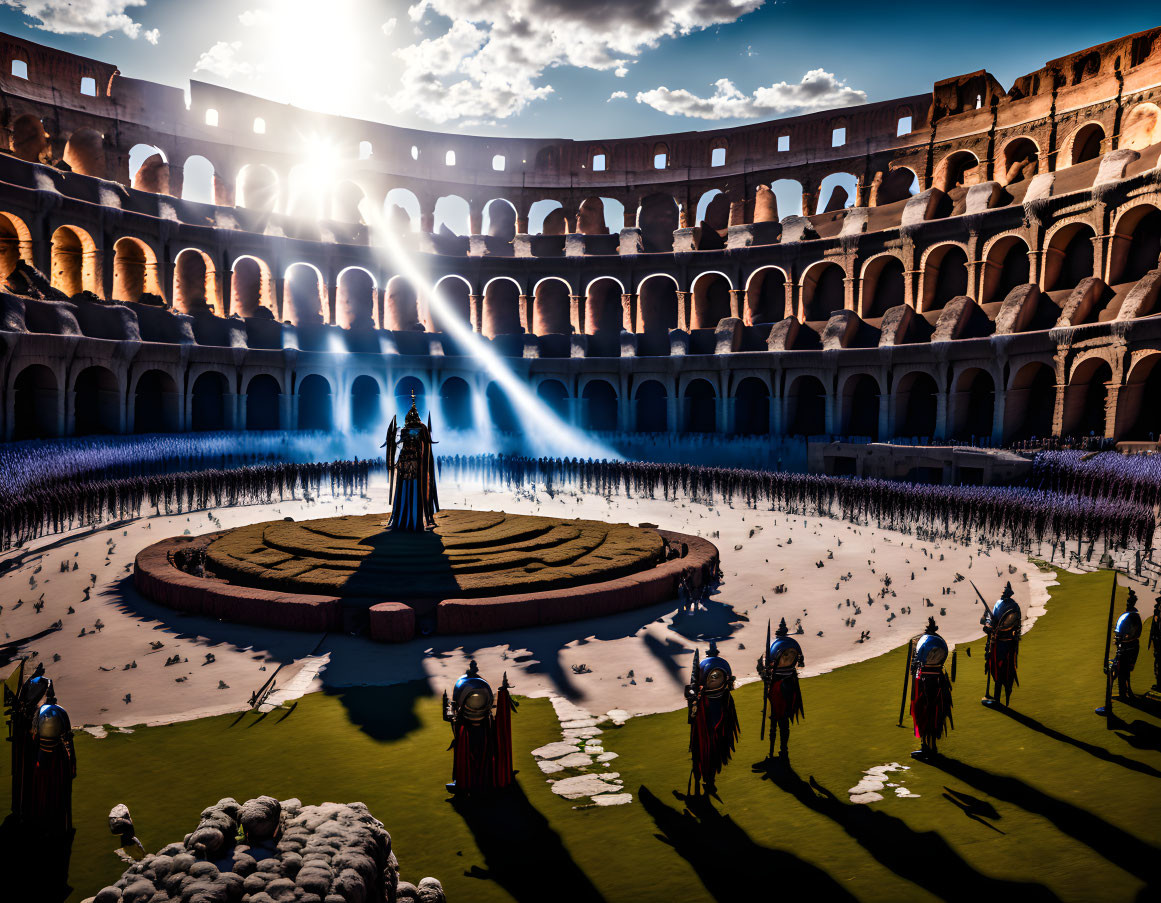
x=148, y=169
x=501, y=308
x=85, y=153
x=304, y=295
x=15, y=243
x=897, y=185
x=258, y=188
x=500, y=410
x=701, y=407
x=1019, y=161
x=408, y=390
x=604, y=312
x=134, y=270
x=766, y=296
x=452, y=213
x=551, y=305
x=823, y=291
x=973, y=405
x=860, y=407
x=1086, y=399
x=599, y=406
x=499, y=219
x=652, y=404
x=1139, y=402
x=657, y=218
x=315, y=404
x=1005, y=267
x=96, y=402
x=837, y=191
x=455, y=397
x=366, y=404
x=36, y=397
x=401, y=304
x=197, y=180
x=1086, y=143
x=355, y=299
x=553, y=393
x=751, y=407
x=74, y=261
x=208, y=402
x=1136, y=244
x=29, y=141
x=955, y=170
x=1068, y=259
x=945, y=276
x=401, y=208
x=883, y=286
x=916, y=405
x=252, y=289
x=156, y=404
x=711, y=300
x=194, y=282
x=453, y=299
x=1141, y=127
x=657, y=304
x=1029, y=403
x=806, y=407
x=263, y=407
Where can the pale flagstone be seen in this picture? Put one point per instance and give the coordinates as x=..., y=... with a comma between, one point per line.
x=555, y=750
x=580, y=722
x=549, y=767
x=866, y=798
x=582, y=733
x=606, y=757
x=613, y=799
x=585, y=785
x=875, y=779
x=575, y=760
x=618, y=716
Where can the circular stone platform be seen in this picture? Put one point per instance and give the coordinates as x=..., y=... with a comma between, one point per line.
x=477, y=571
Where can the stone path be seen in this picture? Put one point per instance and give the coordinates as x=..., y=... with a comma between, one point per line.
x=579, y=764
x=875, y=779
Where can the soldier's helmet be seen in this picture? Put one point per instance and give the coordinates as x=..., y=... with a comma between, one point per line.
x=1128, y=627
x=32, y=691
x=52, y=721
x=785, y=653
x=715, y=672
x=931, y=651
x=1006, y=615
x=472, y=697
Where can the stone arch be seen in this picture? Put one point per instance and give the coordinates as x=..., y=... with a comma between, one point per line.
x=355, y=293
x=955, y=170
x=194, y=282
x=805, y=406
x=156, y=403
x=134, y=270
x=74, y=261
x=592, y=218
x=402, y=211
x=1086, y=398
x=1068, y=256
x=453, y=213
x=36, y=401
x=883, y=286
x=85, y=153
x=366, y=404
x=751, y=407
x=401, y=305
x=29, y=141
x=551, y=307
x=600, y=405
x=973, y=404
x=315, y=403
x=1139, y=401
x=899, y=183
x=304, y=295
x=604, y=312
x=96, y=402
x=657, y=304
x=700, y=400
x=451, y=300
x=837, y=191
x=1019, y=160
x=713, y=209
x=555, y=396
x=860, y=398
x=916, y=405
x=1005, y=267
x=499, y=219
x=1141, y=127
x=456, y=404
x=1084, y=144
x=546, y=217
x=657, y=218
x=823, y=290
x=788, y=193
x=405, y=387
x=148, y=169
x=208, y=401
x=15, y=243
x=1136, y=244
x=263, y=407
x=501, y=314
x=945, y=276
x=651, y=401
x=197, y=180
x=347, y=202
x=766, y=295
x=711, y=300
x=1029, y=402
x=252, y=289
x=258, y=188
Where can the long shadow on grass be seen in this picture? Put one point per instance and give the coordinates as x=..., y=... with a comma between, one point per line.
x=724, y=856
x=1093, y=750
x=383, y=713
x=1119, y=847
x=34, y=868
x=922, y=857
x=522, y=852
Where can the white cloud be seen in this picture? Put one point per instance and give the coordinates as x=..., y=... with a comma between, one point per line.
x=818, y=90
x=223, y=61
x=490, y=58
x=152, y=36
x=389, y=26
x=91, y=17
x=255, y=17
x=621, y=71
x=618, y=95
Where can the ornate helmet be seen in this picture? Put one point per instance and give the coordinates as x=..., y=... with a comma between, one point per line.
x=931, y=650
x=1006, y=615
x=1128, y=626
x=472, y=696
x=715, y=671
x=784, y=652
x=52, y=721
x=412, y=418
x=32, y=691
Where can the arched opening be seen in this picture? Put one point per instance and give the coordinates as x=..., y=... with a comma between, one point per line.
x=402, y=304
x=711, y=300
x=134, y=270
x=657, y=303
x=263, y=403
x=252, y=289
x=366, y=404
x=453, y=298
x=96, y=402
x=1068, y=258
x=194, y=282
x=1142, y=127
x=600, y=406
x=883, y=286
x=148, y=169
x=1139, y=402
x=1005, y=267
x=603, y=309
x=823, y=291
x=208, y=402
x=551, y=307
x=546, y=217
x=500, y=219
x=406, y=389
x=1029, y=403
x=591, y=218
x=1136, y=244
x=751, y=407
x=315, y=404
x=652, y=404
x=806, y=407
x=944, y=276
x=402, y=210
x=1086, y=399
x=837, y=192
x=701, y=407
x=36, y=397
x=355, y=299
x=500, y=410
x=197, y=180
x=766, y=296
x=956, y=170
x=788, y=194
x=29, y=140
x=553, y=393
x=657, y=218
x=74, y=261
x=304, y=293
x=15, y=243
x=897, y=185
x=156, y=404
x=453, y=214
x=713, y=210
x=917, y=404
x=501, y=308
x=346, y=202
x=85, y=153
x=1020, y=161
x=1086, y=143
x=456, y=404
x=258, y=188
x=973, y=404
x=860, y=410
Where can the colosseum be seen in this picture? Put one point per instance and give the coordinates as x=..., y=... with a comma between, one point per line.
x=990, y=275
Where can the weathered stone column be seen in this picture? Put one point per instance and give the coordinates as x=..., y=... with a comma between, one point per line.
x=683, y=312
x=737, y=302
x=629, y=311
x=576, y=313
x=287, y=412
x=525, y=313
x=476, y=312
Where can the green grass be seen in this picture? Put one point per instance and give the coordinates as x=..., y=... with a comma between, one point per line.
x=1059, y=805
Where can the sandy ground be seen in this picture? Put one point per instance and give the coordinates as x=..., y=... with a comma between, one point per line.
x=636, y=662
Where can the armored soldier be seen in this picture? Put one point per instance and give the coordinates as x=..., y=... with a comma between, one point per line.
x=49, y=801
x=22, y=698
x=713, y=719
x=930, y=691
x=1002, y=627
x=411, y=476
x=1127, y=636
x=481, y=725
x=1155, y=642
x=778, y=669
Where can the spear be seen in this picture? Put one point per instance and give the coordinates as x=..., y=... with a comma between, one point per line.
x=987, y=647
x=1107, y=708
x=765, y=682
x=906, y=679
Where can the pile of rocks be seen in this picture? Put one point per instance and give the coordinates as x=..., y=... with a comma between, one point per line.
x=332, y=853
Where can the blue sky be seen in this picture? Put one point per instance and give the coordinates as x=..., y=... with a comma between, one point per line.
x=570, y=68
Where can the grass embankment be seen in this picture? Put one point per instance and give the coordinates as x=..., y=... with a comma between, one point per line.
x=469, y=553
x=1045, y=802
